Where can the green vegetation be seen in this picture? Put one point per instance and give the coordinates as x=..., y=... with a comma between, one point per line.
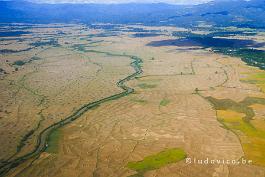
x=13, y=33
x=241, y=107
x=96, y=42
x=259, y=75
x=24, y=139
x=141, y=35
x=253, y=100
x=53, y=141
x=2, y=71
x=238, y=117
x=185, y=34
x=146, y=86
x=105, y=34
x=235, y=122
x=196, y=91
x=218, y=33
x=51, y=42
x=158, y=160
x=256, y=78
x=230, y=32
x=252, y=136
x=19, y=63
x=225, y=104
x=79, y=47
x=243, y=49
x=35, y=58
x=164, y=102
x=52, y=133
x=252, y=57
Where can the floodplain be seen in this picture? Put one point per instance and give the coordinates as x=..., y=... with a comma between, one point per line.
x=83, y=101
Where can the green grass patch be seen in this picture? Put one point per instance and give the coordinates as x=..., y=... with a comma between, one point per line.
x=146, y=86
x=53, y=141
x=259, y=75
x=158, y=160
x=35, y=58
x=19, y=63
x=164, y=102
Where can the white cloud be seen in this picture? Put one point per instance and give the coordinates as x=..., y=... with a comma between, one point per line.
x=123, y=1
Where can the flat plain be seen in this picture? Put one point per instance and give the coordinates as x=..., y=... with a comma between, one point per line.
x=188, y=101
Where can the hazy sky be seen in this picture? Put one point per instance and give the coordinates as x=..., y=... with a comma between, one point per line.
x=124, y=1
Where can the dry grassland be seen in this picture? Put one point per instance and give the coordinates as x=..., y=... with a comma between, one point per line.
x=168, y=110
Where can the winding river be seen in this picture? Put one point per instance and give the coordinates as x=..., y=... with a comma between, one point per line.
x=42, y=141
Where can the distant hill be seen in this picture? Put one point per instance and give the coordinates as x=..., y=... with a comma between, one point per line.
x=219, y=13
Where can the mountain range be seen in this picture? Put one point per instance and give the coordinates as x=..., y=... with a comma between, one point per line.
x=238, y=13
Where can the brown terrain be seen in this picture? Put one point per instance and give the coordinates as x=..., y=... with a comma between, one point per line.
x=168, y=109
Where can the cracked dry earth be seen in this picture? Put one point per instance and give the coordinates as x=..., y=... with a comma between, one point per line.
x=102, y=141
